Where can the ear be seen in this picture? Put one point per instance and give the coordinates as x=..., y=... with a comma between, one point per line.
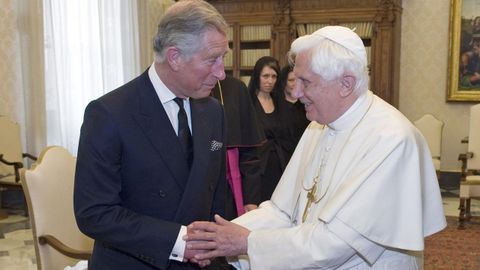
x=348, y=85
x=173, y=57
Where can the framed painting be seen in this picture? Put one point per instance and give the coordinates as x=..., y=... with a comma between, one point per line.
x=464, y=51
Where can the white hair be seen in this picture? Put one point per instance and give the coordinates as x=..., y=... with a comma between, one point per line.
x=331, y=60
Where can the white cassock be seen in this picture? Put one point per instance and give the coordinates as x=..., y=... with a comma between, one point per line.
x=377, y=197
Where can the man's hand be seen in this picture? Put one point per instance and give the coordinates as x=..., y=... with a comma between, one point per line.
x=189, y=255
x=222, y=238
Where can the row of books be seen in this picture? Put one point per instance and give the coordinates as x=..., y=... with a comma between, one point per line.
x=264, y=32
x=251, y=32
x=230, y=33
x=363, y=29
x=255, y=32
x=228, y=60
x=249, y=57
x=245, y=79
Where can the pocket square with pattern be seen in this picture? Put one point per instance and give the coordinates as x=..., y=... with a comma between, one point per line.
x=215, y=145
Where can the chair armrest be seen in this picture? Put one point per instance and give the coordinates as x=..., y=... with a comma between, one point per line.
x=463, y=157
x=27, y=155
x=16, y=166
x=64, y=249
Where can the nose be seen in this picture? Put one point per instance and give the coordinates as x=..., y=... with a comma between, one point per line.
x=297, y=91
x=219, y=70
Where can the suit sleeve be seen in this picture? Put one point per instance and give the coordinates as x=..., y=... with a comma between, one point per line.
x=98, y=195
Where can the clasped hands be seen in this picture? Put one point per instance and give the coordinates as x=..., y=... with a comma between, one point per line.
x=208, y=240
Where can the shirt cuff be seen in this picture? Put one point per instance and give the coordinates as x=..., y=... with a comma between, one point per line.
x=179, y=247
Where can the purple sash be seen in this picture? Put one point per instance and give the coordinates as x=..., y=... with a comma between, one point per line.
x=235, y=179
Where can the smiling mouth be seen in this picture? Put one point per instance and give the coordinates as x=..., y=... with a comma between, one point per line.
x=306, y=104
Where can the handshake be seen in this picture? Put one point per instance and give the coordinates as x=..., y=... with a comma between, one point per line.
x=208, y=240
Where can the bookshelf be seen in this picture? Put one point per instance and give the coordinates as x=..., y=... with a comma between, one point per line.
x=269, y=26
x=247, y=44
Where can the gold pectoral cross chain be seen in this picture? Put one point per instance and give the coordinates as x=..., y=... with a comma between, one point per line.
x=310, y=199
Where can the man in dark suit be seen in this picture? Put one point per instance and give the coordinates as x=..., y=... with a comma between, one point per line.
x=137, y=184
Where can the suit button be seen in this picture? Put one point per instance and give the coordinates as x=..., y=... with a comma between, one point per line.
x=162, y=193
x=211, y=186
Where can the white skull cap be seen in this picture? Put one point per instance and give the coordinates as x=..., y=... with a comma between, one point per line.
x=346, y=37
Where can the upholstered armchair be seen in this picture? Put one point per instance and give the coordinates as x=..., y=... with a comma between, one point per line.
x=431, y=128
x=11, y=156
x=48, y=187
x=470, y=180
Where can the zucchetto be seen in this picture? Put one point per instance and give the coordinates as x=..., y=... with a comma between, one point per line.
x=345, y=37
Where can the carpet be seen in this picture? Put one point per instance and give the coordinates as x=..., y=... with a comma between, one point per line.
x=454, y=249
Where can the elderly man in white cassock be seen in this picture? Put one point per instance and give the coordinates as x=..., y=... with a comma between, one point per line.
x=360, y=191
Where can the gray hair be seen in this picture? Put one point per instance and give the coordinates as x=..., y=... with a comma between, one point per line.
x=331, y=60
x=183, y=25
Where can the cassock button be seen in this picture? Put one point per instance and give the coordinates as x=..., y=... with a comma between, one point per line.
x=211, y=187
x=162, y=193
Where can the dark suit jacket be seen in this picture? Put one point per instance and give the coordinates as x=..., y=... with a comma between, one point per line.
x=132, y=186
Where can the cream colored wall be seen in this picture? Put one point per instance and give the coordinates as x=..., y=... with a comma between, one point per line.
x=423, y=74
x=11, y=99
x=21, y=70
x=149, y=14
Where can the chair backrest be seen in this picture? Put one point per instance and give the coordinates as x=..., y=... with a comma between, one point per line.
x=48, y=188
x=10, y=146
x=474, y=138
x=431, y=128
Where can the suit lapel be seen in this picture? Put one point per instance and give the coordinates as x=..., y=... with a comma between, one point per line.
x=201, y=139
x=156, y=126
x=197, y=182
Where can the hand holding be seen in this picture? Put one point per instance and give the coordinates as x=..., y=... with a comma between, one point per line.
x=222, y=238
x=189, y=254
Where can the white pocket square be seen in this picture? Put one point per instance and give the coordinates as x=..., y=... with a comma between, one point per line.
x=215, y=145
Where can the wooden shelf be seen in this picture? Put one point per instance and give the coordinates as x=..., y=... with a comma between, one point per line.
x=273, y=24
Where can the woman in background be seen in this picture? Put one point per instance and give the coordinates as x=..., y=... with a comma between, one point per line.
x=291, y=110
x=263, y=88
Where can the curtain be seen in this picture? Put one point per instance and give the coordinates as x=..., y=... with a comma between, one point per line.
x=30, y=31
x=91, y=48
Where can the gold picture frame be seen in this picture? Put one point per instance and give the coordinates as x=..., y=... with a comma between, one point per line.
x=464, y=52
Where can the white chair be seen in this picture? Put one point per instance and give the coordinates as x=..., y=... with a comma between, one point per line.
x=48, y=188
x=470, y=181
x=431, y=128
x=11, y=156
